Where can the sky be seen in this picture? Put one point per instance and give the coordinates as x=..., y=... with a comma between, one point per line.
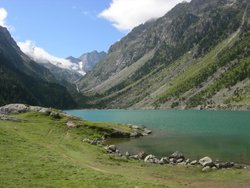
x=72, y=27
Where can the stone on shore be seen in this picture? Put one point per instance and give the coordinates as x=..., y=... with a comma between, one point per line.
x=194, y=162
x=206, y=169
x=206, y=161
x=112, y=148
x=14, y=109
x=151, y=159
x=142, y=155
x=176, y=157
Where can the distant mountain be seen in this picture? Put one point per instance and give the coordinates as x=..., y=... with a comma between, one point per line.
x=62, y=69
x=22, y=80
x=196, y=56
x=88, y=60
x=73, y=59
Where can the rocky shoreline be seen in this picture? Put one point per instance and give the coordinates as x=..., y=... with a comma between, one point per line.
x=177, y=158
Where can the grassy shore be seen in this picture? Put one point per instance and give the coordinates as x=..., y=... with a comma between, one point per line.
x=43, y=152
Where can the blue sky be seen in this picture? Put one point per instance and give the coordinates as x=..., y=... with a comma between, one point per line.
x=73, y=27
x=63, y=28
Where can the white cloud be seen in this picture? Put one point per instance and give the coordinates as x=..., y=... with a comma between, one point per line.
x=126, y=14
x=40, y=55
x=3, y=16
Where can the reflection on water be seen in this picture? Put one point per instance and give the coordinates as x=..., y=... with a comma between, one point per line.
x=221, y=135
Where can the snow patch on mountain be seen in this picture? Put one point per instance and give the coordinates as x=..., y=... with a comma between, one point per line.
x=40, y=55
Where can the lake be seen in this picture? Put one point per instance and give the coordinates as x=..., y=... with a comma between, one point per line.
x=222, y=135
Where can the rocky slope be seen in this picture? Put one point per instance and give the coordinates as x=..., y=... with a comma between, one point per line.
x=196, y=56
x=25, y=81
x=87, y=61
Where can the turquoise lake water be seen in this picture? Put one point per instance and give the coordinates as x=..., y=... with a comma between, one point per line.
x=221, y=135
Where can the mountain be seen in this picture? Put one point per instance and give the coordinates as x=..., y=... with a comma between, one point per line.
x=23, y=80
x=196, y=56
x=62, y=69
x=88, y=60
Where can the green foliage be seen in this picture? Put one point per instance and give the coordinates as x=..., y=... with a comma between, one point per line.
x=238, y=72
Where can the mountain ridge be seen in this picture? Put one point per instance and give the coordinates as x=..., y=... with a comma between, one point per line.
x=180, y=39
x=25, y=81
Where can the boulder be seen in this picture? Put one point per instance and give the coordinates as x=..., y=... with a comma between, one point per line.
x=112, y=148
x=147, y=131
x=176, y=156
x=206, y=169
x=134, y=157
x=179, y=160
x=134, y=134
x=194, y=162
x=164, y=160
x=142, y=155
x=206, y=161
x=14, y=109
x=149, y=158
x=225, y=165
x=35, y=108
x=55, y=115
x=45, y=111
x=136, y=127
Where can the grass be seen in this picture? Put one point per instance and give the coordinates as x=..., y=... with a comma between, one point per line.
x=44, y=152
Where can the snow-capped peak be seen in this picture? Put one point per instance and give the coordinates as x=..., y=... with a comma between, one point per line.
x=40, y=55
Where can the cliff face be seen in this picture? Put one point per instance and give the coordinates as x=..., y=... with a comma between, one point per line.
x=179, y=60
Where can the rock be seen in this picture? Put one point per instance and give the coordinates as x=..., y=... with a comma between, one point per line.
x=142, y=155
x=182, y=163
x=127, y=154
x=71, y=124
x=149, y=158
x=225, y=165
x=165, y=160
x=176, y=156
x=206, y=161
x=134, y=157
x=239, y=166
x=206, y=169
x=162, y=161
x=194, y=162
x=134, y=134
x=179, y=160
x=14, y=109
x=172, y=160
x=147, y=131
x=214, y=168
x=55, y=115
x=112, y=148
x=135, y=127
x=187, y=161
x=35, y=108
x=45, y=111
